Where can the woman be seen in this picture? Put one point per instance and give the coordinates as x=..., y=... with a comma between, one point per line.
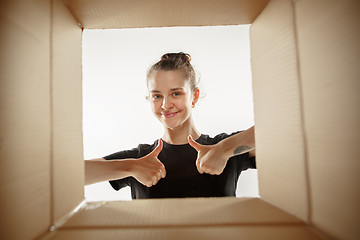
x=177, y=165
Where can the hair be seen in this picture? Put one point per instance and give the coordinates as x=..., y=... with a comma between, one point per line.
x=175, y=61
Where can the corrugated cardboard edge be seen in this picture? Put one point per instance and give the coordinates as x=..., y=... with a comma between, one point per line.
x=60, y=222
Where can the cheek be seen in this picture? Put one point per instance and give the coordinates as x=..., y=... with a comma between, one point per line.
x=183, y=103
x=155, y=106
x=187, y=103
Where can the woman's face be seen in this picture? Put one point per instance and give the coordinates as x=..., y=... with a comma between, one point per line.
x=171, y=98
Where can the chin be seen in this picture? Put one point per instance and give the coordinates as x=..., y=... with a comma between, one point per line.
x=170, y=126
x=173, y=126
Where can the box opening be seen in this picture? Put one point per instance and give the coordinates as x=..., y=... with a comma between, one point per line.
x=115, y=62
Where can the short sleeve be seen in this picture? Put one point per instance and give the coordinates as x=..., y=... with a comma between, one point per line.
x=248, y=163
x=222, y=136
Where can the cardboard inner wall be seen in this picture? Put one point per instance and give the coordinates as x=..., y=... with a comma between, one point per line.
x=41, y=134
x=66, y=90
x=164, y=13
x=305, y=59
x=190, y=218
x=191, y=233
x=329, y=33
x=25, y=133
x=189, y=211
x=278, y=132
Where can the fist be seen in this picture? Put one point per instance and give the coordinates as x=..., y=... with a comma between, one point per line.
x=210, y=158
x=148, y=170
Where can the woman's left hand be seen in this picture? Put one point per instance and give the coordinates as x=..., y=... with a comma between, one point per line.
x=211, y=158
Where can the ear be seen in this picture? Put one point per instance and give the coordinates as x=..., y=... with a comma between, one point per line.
x=196, y=95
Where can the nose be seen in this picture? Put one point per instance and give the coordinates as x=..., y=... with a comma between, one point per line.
x=167, y=103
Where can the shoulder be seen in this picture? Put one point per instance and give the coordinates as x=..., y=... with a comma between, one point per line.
x=207, y=140
x=136, y=152
x=145, y=149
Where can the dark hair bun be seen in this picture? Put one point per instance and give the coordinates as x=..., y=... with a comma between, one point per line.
x=177, y=56
x=176, y=61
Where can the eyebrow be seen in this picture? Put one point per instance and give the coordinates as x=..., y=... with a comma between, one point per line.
x=171, y=90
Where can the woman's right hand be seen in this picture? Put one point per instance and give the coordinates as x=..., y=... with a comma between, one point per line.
x=148, y=170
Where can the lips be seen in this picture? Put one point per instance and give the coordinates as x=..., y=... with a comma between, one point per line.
x=169, y=114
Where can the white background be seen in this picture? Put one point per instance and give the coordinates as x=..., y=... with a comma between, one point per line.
x=116, y=115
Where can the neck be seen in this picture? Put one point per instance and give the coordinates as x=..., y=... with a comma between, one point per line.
x=178, y=135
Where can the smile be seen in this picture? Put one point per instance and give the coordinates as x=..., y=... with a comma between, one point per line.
x=169, y=115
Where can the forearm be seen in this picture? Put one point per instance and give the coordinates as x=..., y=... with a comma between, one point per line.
x=98, y=170
x=239, y=143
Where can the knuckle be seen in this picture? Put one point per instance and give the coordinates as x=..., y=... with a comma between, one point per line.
x=153, y=176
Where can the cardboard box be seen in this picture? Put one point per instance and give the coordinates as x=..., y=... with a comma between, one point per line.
x=305, y=65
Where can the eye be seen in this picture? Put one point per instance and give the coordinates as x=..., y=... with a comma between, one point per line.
x=175, y=94
x=156, y=97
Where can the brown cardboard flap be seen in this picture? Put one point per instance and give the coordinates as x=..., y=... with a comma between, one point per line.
x=164, y=13
x=24, y=119
x=305, y=65
x=179, y=212
x=66, y=89
x=329, y=46
x=280, y=151
x=180, y=233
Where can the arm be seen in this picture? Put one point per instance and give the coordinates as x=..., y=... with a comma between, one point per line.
x=148, y=170
x=98, y=170
x=212, y=159
x=240, y=143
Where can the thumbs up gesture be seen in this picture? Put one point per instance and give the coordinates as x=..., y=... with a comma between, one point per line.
x=210, y=159
x=148, y=170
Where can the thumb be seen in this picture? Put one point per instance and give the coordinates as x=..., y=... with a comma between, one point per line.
x=158, y=148
x=194, y=144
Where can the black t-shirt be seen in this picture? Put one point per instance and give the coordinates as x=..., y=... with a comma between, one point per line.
x=182, y=178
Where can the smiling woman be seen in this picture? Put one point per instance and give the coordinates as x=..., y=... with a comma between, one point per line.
x=173, y=92
x=172, y=104
x=172, y=98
